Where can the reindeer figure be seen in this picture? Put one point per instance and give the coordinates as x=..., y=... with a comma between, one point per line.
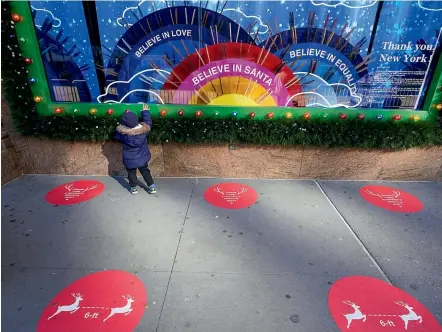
x=71, y=187
x=395, y=194
x=242, y=191
x=412, y=316
x=70, y=308
x=355, y=315
x=75, y=192
x=230, y=196
x=126, y=310
x=372, y=193
x=95, y=186
x=218, y=190
x=390, y=198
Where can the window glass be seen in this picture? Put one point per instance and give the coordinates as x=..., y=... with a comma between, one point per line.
x=365, y=54
x=406, y=48
x=66, y=50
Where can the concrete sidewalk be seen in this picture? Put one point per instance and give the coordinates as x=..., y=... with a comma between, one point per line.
x=265, y=267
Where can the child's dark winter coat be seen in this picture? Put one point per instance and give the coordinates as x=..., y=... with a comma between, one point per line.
x=136, y=153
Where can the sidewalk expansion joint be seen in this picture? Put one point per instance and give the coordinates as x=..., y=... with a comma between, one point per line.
x=174, y=258
x=376, y=264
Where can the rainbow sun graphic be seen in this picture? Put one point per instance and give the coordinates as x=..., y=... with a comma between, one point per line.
x=194, y=55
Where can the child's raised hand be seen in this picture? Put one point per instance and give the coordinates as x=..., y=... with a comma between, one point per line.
x=145, y=107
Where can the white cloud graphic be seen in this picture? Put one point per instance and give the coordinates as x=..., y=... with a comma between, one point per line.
x=121, y=23
x=137, y=75
x=123, y=16
x=420, y=4
x=330, y=101
x=132, y=91
x=260, y=22
x=50, y=13
x=344, y=3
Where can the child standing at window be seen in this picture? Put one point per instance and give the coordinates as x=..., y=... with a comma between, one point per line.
x=136, y=153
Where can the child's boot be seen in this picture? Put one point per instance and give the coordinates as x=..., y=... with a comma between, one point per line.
x=151, y=189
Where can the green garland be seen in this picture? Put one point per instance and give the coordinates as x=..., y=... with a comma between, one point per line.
x=349, y=133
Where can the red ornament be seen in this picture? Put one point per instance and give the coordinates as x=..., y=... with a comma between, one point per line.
x=396, y=117
x=306, y=115
x=270, y=115
x=180, y=112
x=199, y=113
x=58, y=110
x=163, y=112
x=361, y=116
x=16, y=18
x=110, y=111
x=343, y=116
x=28, y=61
x=252, y=114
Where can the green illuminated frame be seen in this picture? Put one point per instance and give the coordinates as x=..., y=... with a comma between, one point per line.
x=46, y=107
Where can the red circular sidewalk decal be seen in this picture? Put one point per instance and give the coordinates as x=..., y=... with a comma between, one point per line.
x=390, y=198
x=75, y=192
x=366, y=304
x=111, y=301
x=231, y=195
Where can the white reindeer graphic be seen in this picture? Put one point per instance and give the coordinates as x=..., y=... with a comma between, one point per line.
x=75, y=192
x=355, y=315
x=394, y=194
x=218, y=190
x=392, y=198
x=126, y=310
x=242, y=191
x=231, y=196
x=411, y=316
x=70, y=187
x=70, y=308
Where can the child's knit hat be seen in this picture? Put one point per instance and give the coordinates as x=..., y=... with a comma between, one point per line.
x=129, y=120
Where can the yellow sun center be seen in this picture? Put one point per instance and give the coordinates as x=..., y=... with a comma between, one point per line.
x=232, y=91
x=233, y=99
